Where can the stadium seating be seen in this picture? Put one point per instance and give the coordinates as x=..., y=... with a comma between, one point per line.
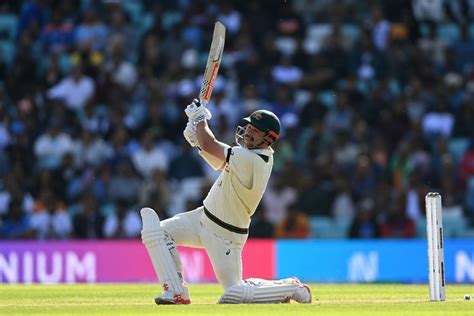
x=326, y=228
x=8, y=23
x=457, y=147
x=7, y=51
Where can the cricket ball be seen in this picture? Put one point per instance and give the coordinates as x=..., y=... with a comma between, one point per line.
x=467, y=297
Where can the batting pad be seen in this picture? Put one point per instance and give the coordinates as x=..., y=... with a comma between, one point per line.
x=258, y=292
x=157, y=243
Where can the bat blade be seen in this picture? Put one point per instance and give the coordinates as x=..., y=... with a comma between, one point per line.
x=213, y=63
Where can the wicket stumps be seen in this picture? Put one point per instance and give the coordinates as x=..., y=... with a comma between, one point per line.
x=434, y=228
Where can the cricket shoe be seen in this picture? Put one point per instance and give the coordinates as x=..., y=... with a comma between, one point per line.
x=303, y=292
x=171, y=298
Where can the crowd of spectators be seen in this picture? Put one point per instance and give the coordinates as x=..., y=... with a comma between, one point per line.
x=376, y=100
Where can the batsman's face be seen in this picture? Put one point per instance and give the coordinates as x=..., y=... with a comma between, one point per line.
x=253, y=137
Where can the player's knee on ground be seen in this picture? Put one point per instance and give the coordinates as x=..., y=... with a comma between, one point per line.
x=245, y=294
x=236, y=294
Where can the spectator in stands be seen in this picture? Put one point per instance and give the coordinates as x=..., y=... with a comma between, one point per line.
x=51, y=146
x=415, y=197
x=464, y=49
x=340, y=117
x=316, y=197
x=439, y=122
x=121, y=71
x=88, y=223
x=364, y=223
x=19, y=81
x=396, y=223
x=286, y=72
x=32, y=17
x=154, y=189
x=91, y=150
x=284, y=107
x=428, y=10
x=120, y=27
x=16, y=223
x=50, y=219
x=260, y=227
x=380, y=29
x=124, y=223
x=343, y=205
x=467, y=163
x=294, y=225
x=363, y=180
x=95, y=119
x=185, y=165
x=376, y=88
x=53, y=72
x=91, y=34
x=230, y=17
x=278, y=197
x=465, y=116
x=14, y=189
x=123, y=145
x=432, y=46
x=75, y=90
x=149, y=157
x=124, y=184
x=58, y=35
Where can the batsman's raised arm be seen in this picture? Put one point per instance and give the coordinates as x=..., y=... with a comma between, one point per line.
x=207, y=142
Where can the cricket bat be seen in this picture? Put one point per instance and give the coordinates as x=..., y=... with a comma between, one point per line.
x=213, y=63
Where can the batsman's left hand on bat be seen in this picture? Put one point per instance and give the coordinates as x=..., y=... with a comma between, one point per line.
x=197, y=112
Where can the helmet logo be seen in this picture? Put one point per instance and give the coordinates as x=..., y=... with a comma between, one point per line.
x=257, y=116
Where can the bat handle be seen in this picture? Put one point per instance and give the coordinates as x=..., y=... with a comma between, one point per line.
x=202, y=102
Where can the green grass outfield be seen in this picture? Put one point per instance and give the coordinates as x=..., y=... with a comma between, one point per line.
x=137, y=299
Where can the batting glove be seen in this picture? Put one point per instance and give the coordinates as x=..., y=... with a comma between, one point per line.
x=197, y=112
x=190, y=135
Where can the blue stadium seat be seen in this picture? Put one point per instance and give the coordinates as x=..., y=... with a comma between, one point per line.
x=457, y=147
x=454, y=222
x=351, y=31
x=468, y=233
x=147, y=21
x=420, y=224
x=323, y=227
x=134, y=8
x=7, y=51
x=341, y=228
x=328, y=98
x=454, y=227
x=65, y=63
x=423, y=28
x=448, y=32
x=86, y=3
x=8, y=25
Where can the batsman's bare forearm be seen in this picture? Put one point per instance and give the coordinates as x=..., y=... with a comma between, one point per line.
x=208, y=141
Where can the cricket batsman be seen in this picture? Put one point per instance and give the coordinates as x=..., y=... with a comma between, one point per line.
x=221, y=224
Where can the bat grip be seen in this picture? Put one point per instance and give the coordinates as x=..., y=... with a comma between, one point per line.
x=201, y=102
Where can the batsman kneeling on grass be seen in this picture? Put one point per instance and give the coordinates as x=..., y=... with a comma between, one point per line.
x=221, y=224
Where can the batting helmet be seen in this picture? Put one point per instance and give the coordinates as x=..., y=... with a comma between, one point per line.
x=267, y=122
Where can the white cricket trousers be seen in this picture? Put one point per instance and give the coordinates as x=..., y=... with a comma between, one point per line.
x=225, y=254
